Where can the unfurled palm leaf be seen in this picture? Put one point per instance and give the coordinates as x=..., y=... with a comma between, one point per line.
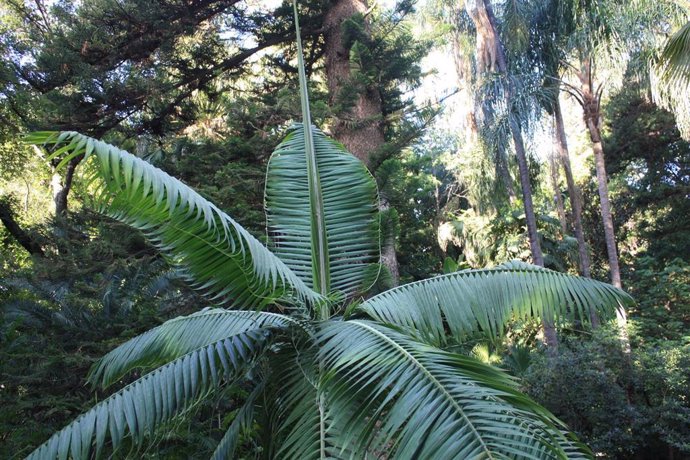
x=349, y=208
x=321, y=386
x=422, y=402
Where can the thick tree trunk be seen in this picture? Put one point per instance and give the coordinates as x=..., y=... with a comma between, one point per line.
x=360, y=128
x=485, y=22
x=592, y=117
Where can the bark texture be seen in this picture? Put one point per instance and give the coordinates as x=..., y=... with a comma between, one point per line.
x=360, y=127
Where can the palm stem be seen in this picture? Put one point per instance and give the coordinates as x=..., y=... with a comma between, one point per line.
x=319, y=243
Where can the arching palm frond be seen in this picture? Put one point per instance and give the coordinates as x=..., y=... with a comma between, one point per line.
x=305, y=425
x=670, y=78
x=484, y=300
x=144, y=405
x=421, y=402
x=218, y=255
x=675, y=59
x=349, y=207
x=179, y=336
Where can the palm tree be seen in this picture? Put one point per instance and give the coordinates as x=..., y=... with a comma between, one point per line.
x=330, y=372
x=671, y=77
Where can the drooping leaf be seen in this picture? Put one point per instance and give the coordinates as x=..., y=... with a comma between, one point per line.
x=416, y=401
x=469, y=301
x=179, y=336
x=144, y=405
x=219, y=257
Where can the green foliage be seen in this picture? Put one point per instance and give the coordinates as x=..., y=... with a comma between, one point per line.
x=663, y=312
x=623, y=407
x=648, y=162
x=420, y=190
x=490, y=240
x=385, y=56
x=195, y=361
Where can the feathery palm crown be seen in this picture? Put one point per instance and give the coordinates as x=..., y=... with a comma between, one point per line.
x=340, y=376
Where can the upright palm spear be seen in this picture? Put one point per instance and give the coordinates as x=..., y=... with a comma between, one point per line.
x=376, y=381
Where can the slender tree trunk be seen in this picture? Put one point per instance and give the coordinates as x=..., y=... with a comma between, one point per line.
x=592, y=117
x=575, y=199
x=360, y=128
x=488, y=53
x=388, y=257
x=560, y=207
x=573, y=190
x=61, y=188
x=518, y=143
x=486, y=21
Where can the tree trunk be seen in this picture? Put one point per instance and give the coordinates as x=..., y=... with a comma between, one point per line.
x=485, y=22
x=560, y=207
x=388, y=257
x=573, y=190
x=489, y=58
x=359, y=128
x=575, y=199
x=61, y=188
x=13, y=228
x=592, y=117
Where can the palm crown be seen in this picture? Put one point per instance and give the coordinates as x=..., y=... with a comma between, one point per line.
x=334, y=374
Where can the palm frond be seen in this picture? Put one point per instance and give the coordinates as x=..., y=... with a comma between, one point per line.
x=670, y=79
x=144, y=405
x=421, y=402
x=218, y=255
x=305, y=427
x=179, y=336
x=349, y=205
x=675, y=59
x=299, y=420
x=484, y=300
x=242, y=422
